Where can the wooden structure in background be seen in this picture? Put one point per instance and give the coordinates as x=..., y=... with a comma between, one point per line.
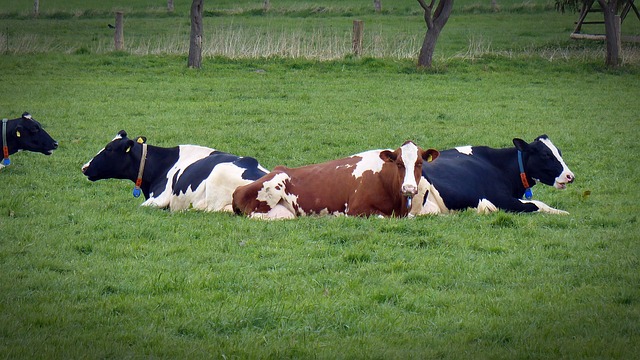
x=118, y=36
x=588, y=8
x=358, y=29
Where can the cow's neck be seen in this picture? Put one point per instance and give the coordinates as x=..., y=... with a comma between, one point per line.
x=398, y=200
x=11, y=142
x=507, y=161
x=157, y=165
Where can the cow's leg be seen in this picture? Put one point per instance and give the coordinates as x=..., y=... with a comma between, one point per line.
x=542, y=207
x=486, y=207
x=278, y=212
x=518, y=205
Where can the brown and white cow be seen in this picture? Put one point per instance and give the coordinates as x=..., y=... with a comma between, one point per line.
x=376, y=182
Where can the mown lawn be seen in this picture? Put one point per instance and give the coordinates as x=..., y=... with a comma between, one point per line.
x=87, y=273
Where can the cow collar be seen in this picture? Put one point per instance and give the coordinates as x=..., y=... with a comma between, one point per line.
x=143, y=159
x=5, y=147
x=528, y=194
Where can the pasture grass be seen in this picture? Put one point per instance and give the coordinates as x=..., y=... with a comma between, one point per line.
x=87, y=273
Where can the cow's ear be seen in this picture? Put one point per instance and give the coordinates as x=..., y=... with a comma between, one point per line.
x=520, y=144
x=130, y=144
x=122, y=134
x=430, y=155
x=388, y=155
x=141, y=140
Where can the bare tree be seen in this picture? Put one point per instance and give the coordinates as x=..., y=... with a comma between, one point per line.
x=195, y=43
x=435, y=23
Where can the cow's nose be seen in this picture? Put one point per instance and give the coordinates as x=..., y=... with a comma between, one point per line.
x=55, y=144
x=570, y=178
x=84, y=168
x=409, y=190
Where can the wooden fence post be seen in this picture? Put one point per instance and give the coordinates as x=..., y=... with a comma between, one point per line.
x=377, y=5
x=118, y=36
x=358, y=27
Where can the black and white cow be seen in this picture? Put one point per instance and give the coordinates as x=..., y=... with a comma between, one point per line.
x=178, y=178
x=24, y=133
x=490, y=179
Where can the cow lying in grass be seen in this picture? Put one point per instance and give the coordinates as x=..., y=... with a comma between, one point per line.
x=377, y=182
x=490, y=179
x=178, y=178
x=24, y=133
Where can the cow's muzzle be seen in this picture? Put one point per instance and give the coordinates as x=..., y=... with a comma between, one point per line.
x=564, y=179
x=409, y=190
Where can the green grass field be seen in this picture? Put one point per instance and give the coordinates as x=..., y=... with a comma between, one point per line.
x=87, y=273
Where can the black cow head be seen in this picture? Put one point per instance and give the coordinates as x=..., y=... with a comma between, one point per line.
x=543, y=162
x=116, y=161
x=27, y=134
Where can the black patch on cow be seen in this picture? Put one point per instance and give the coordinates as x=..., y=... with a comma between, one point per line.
x=194, y=174
x=252, y=168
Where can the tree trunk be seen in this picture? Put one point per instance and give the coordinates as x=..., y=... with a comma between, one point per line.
x=425, y=59
x=435, y=23
x=36, y=8
x=266, y=6
x=170, y=5
x=612, y=31
x=195, y=43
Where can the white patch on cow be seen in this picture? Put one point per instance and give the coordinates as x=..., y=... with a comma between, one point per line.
x=433, y=204
x=485, y=207
x=563, y=178
x=272, y=191
x=215, y=193
x=542, y=207
x=274, y=194
x=370, y=161
x=409, y=157
x=188, y=154
x=345, y=166
x=467, y=150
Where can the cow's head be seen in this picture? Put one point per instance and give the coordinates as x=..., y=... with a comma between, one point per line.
x=115, y=161
x=408, y=159
x=543, y=162
x=30, y=136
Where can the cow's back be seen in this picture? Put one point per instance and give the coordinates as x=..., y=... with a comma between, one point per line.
x=187, y=155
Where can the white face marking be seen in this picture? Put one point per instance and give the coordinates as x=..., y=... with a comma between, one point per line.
x=561, y=180
x=410, y=157
x=370, y=161
x=467, y=150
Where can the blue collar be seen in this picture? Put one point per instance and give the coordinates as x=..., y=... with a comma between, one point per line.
x=528, y=194
x=5, y=147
